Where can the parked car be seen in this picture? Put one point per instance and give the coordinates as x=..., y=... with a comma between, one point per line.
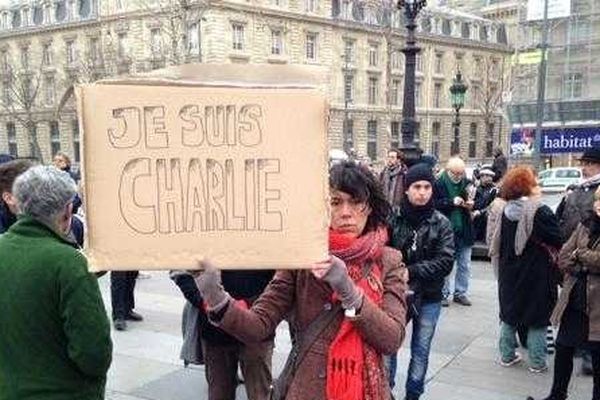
x=558, y=179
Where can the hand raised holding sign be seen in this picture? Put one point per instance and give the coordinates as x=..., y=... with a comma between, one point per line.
x=209, y=284
x=335, y=272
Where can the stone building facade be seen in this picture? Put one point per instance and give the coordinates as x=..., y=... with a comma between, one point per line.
x=57, y=43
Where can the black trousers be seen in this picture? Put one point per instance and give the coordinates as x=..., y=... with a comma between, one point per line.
x=122, y=284
x=563, y=368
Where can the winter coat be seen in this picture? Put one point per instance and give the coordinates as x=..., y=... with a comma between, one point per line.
x=588, y=259
x=300, y=293
x=392, y=181
x=6, y=217
x=241, y=285
x=526, y=283
x=499, y=166
x=429, y=258
x=55, y=336
x=445, y=205
x=577, y=207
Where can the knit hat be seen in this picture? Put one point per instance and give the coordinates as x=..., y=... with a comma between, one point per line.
x=418, y=172
x=487, y=171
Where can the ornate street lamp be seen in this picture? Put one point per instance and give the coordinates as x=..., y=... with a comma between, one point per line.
x=409, y=124
x=457, y=98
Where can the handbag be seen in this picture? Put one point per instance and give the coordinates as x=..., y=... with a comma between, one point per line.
x=303, y=342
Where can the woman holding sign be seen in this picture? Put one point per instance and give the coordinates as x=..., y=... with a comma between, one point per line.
x=348, y=310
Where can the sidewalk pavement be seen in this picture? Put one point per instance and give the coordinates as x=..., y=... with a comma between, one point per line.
x=463, y=364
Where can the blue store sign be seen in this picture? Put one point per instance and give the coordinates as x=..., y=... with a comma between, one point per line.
x=555, y=140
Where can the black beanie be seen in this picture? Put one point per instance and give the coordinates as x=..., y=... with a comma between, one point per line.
x=418, y=172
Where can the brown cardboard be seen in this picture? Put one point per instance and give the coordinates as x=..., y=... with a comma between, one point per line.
x=231, y=166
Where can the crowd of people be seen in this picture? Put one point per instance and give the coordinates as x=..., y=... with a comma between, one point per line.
x=395, y=240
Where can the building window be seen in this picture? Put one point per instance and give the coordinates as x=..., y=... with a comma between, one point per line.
x=16, y=19
x=483, y=33
x=11, y=132
x=38, y=15
x=446, y=28
x=71, y=52
x=60, y=10
x=419, y=63
x=6, y=95
x=478, y=66
x=155, y=41
x=373, y=50
x=348, y=51
x=50, y=93
x=396, y=64
x=5, y=20
x=372, y=139
x=437, y=95
x=459, y=61
x=310, y=6
x=439, y=63
x=311, y=46
x=25, y=58
x=47, y=14
x=573, y=85
x=373, y=83
x=435, y=139
x=489, y=140
x=94, y=49
x=473, y=140
x=85, y=8
x=26, y=17
x=119, y=5
x=5, y=61
x=418, y=94
x=76, y=140
x=237, y=31
x=54, y=138
x=394, y=96
x=276, y=42
x=466, y=30
x=193, y=39
x=348, y=87
x=122, y=45
x=47, y=54
x=348, y=127
x=395, y=134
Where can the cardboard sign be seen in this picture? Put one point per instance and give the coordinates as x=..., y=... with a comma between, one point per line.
x=175, y=173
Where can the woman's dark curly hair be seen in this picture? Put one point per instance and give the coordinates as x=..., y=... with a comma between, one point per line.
x=519, y=181
x=362, y=185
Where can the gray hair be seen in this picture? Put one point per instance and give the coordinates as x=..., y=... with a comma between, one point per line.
x=42, y=192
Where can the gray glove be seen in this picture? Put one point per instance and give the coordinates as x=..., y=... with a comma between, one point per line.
x=210, y=287
x=337, y=277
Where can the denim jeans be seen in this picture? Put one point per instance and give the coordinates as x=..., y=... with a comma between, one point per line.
x=462, y=257
x=536, y=344
x=423, y=329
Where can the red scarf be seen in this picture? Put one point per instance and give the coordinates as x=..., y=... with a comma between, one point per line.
x=354, y=368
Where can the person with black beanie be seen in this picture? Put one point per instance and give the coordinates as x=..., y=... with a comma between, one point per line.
x=426, y=240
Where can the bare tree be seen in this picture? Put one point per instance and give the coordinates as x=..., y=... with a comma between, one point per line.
x=177, y=20
x=488, y=89
x=20, y=98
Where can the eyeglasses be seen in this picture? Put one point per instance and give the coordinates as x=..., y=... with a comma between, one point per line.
x=355, y=205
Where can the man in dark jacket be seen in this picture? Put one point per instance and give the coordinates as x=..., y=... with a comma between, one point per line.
x=222, y=352
x=453, y=194
x=484, y=196
x=392, y=177
x=8, y=204
x=426, y=240
x=500, y=164
x=577, y=206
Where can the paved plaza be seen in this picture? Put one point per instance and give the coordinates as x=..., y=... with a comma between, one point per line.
x=463, y=366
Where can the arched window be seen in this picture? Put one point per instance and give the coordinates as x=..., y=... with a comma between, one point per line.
x=446, y=27
x=426, y=24
x=501, y=35
x=483, y=33
x=85, y=8
x=466, y=30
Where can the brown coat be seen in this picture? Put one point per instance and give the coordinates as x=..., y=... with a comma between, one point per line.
x=300, y=293
x=589, y=259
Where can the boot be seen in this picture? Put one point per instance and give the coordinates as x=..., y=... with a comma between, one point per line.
x=586, y=364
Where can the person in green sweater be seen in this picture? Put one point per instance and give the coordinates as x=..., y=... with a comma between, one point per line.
x=54, y=334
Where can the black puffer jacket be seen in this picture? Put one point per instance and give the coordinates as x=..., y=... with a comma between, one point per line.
x=430, y=258
x=576, y=207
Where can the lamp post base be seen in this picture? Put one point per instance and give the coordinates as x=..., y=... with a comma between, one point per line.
x=412, y=154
